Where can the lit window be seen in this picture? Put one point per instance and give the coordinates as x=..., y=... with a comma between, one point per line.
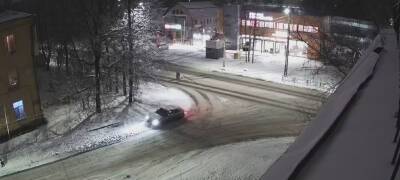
x=280, y=26
x=293, y=27
x=301, y=28
x=13, y=78
x=261, y=24
x=9, y=42
x=270, y=25
x=285, y=26
x=19, y=110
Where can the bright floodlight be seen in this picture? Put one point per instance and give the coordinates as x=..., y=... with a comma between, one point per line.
x=287, y=11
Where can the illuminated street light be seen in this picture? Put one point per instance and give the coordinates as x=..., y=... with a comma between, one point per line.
x=286, y=11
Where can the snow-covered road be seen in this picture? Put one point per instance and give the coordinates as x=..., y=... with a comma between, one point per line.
x=216, y=120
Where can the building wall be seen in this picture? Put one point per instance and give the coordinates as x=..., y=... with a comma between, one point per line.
x=274, y=29
x=192, y=22
x=21, y=62
x=231, y=26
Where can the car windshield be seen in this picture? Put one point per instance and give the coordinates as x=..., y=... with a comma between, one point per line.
x=162, y=112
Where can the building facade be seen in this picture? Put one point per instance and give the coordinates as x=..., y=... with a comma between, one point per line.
x=270, y=28
x=20, y=108
x=193, y=21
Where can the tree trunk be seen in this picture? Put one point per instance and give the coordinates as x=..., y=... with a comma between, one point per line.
x=66, y=57
x=130, y=58
x=47, y=57
x=97, y=79
x=124, y=81
x=116, y=79
x=109, y=79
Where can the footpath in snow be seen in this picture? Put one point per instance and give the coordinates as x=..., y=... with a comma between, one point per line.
x=52, y=142
x=302, y=72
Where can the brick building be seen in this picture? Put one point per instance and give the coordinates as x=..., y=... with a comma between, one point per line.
x=268, y=26
x=20, y=108
x=193, y=21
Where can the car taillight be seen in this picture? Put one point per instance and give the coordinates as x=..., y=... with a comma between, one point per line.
x=188, y=113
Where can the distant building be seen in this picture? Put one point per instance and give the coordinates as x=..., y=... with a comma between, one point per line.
x=20, y=108
x=268, y=25
x=193, y=21
x=359, y=32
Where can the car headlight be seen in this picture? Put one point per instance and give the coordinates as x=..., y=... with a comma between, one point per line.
x=155, y=122
x=147, y=117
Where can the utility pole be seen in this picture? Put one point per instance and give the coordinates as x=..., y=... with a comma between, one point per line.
x=245, y=33
x=285, y=72
x=249, y=35
x=254, y=38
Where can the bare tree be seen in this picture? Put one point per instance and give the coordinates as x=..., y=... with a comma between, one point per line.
x=332, y=49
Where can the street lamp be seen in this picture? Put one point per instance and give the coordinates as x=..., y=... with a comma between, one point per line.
x=287, y=12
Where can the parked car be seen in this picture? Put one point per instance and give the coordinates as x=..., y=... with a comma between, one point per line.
x=164, y=115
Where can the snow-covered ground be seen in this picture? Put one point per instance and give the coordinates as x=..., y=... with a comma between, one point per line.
x=301, y=72
x=52, y=142
x=244, y=160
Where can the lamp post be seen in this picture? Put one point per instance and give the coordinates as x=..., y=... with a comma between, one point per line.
x=285, y=72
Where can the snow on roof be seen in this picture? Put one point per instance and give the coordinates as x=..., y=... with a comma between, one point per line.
x=12, y=15
x=351, y=138
x=197, y=5
x=207, y=12
x=200, y=9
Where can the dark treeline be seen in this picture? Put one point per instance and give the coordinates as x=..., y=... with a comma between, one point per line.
x=104, y=47
x=376, y=11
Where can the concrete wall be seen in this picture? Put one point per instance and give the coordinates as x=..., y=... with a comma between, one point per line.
x=231, y=26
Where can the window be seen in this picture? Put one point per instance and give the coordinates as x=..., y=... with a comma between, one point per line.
x=12, y=78
x=19, y=110
x=293, y=27
x=9, y=42
x=285, y=26
x=301, y=28
x=280, y=26
x=269, y=24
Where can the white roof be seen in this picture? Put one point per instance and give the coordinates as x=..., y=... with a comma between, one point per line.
x=197, y=5
x=12, y=15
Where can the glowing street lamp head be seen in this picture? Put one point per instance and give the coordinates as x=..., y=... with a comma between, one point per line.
x=286, y=11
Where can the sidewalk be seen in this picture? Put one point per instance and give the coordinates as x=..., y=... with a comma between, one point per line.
x=112, y=126
x=302, y=72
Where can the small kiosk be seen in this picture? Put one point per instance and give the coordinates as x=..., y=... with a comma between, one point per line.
x=215, y=49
